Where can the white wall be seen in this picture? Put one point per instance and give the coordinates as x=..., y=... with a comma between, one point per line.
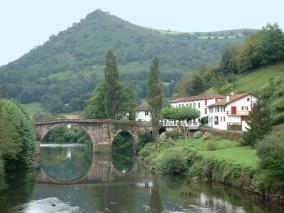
x=141, y=116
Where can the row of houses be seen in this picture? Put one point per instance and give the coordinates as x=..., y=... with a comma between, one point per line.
x=223, y=112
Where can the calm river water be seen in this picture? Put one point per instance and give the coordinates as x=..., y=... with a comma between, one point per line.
x=72, y=179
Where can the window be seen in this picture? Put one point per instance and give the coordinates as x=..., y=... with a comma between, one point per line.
x=248, y=99
x=205, y=111
x=194, y=105
x=205, y=102
x=198, y=104
x=146, y=112
x=190, y=105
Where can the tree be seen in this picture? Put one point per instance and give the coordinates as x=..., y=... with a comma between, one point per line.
x=228, y=63
x=127, y=106
x=259, y=124
x=155, y=97
x=270, y=151
x=96, y=104
x=3, y=92
x=113, y=87
x=180, y=114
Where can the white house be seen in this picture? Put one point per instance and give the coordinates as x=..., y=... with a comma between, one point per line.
x=232, y=112
x=143, y=113
x=199, y=103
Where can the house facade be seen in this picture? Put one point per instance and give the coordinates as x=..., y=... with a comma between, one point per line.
x=199, y=103
x=143, y=113
x=232, y=113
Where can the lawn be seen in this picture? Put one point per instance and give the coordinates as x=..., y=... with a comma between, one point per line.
x=33, y=108
x=228, y=150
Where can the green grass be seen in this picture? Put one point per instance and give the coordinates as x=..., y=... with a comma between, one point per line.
x=243, y=155
x=33, y=108
x=257, y=79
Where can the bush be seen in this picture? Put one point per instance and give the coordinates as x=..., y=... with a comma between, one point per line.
x=146, y=151
x=172, y=135
x=198, y=134
x=2, y=175
x=278, y=119
x=270, y=151
x=143, y=139
x=173, y=164
x=211, y=145
x=207, y=135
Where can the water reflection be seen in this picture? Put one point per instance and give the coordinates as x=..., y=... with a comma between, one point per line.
x=66, y=163
x=134, y=191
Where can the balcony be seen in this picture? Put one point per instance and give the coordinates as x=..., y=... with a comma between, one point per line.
x=238, y=112
x=172, y=123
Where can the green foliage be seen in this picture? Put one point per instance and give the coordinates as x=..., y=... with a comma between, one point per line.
x=207, y=135
x=111, y=99
x=123, y=143
x=180, y=113
x=172, y=135
x=143, y=139
x=113, y=87
x=278, y=119
x=259, y=124
x=155, y=97
x=198, y=134
x=146, y=151
x=2, y=175
x=3, y=92
x=18, y=136
x=211, y=145
x=63, y=134
x=263, y=48
x=270, y=151
x=173, y=163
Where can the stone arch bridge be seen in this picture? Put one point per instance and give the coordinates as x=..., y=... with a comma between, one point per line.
x=101, y=132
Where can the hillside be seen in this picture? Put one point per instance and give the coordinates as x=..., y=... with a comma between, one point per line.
x=62, y=73
x=269, y=81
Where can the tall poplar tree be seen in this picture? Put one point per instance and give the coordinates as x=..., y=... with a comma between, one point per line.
x=155, y=97
x=113, y=87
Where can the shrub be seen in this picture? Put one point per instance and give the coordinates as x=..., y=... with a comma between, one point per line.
x=172, y=135
x=173, y=164
x=198, y=134
x=280, y=106
x=2, y=175
x=270, y=151
x=143, y=139
x=146, y=151
x=278, y=119
x=207, y=135
x=211, y=145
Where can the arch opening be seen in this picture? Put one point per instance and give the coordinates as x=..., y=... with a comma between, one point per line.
x=123, y=151
x=66, y=152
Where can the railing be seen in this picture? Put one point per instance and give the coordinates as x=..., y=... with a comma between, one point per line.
x=234, y=126
x=173, y=123
x=239, y=112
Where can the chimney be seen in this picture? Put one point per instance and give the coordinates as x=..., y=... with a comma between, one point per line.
x=227, y=98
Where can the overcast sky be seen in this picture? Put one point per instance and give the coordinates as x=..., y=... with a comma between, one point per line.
x=28, y=23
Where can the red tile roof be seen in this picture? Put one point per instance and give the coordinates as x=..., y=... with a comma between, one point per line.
x=196, y=98
x=231, y=99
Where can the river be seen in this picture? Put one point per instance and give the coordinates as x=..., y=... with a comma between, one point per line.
x=72, y=179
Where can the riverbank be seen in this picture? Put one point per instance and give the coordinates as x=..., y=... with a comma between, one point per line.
x=216, y=160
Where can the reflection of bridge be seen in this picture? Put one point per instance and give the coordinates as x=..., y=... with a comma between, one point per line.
x=101, y=132
x=102, y=170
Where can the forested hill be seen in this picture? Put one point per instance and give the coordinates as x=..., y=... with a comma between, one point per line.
x=62, y=73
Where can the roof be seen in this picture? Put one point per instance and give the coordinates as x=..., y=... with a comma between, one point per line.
x=196, y=98
x=143, y=107
x=232, y=98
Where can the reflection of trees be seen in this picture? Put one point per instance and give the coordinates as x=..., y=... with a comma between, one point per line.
x=122, y=163
x=123, y=144
x=59, y=164
x=155, y=199
x=21, y=186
